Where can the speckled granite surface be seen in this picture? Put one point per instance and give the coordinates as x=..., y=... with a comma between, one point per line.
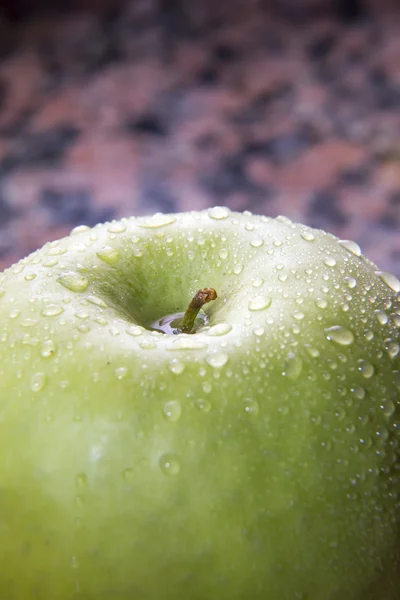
x=278, y=107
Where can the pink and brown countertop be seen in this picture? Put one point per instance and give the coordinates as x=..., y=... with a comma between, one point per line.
x=278, y=107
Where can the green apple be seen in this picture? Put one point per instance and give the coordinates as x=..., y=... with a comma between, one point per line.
x=253, y=457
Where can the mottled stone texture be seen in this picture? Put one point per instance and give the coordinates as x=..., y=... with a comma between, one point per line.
x=109, y=109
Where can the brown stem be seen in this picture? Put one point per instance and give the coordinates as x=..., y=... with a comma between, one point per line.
x=199, y=299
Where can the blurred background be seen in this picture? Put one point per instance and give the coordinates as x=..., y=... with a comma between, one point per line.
x=111, y=108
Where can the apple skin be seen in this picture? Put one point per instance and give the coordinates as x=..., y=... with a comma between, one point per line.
x=257, y=459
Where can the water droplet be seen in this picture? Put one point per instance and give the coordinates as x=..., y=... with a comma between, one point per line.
x=251, y=407
x=82, y=314
x=219, y=329
x=298, y=315
x=14, y=313
x=259, y=303
x=109, y=255
x=187, y=343
x=293, y=367
x=134, y=330
x=155, y=221
x=259, y=331
x=381, y=317
x=257, y=242
x=391, y=280
x=366, y=369
x=237, y=269
x=396, y=319
x=217, y=360
x=307, y=236
x=392, y=348
x=359, y=392
x=97, y=301
x=313, y=352
x=388, y=408
x=169, y=463
x=351, y=282
x=83, y=328
x=79, y=229
x=148, y=345
x=223, y=254
x=257, y=282
x=73, y=281
x=203, y=405
x=52, y=310
x=121, y=372
x=330, y=261
x=176, y=366
x=172, y=410
x=81, y=480
x=340, y=335
x=116, y=227
x=48, y=348
x=30, y=276
x=49, y=262
x=321, y=303
x=352, y=247
x=29, y=322
x=206, y=387
x=38, y=381
x=219, y=213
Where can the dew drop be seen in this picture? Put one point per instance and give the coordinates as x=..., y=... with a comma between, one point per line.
x=237, y=269
x=330, y=261
x=79, y=229
x=321, y=303
x=73, y=281
x=14, y=313
x=298, y=315
x=366, y=369
x=340, y=335
x=217, y=360
x=96, y=301
x=121, y=372
x=219, y=213
x=351, y=282
x=259, y=331
x=169, y=464
x=382, y=317
x=392, y=348
x=257, y=242
x=155, y=221
x=49, y=262
x=116, y=227
x=259, y=303
x=52, y=310
x=313, y=352
x=29, y=322
x=223, y=254
x=48, y=349
x=38, y=381
x=30, y=276
x=172, y=410
x=134, y=330
x=257, y=282
x=206, y=387
x=148, y=345
x=293, y=367
x=307, y=236
x=176, y=366
x=352, y=247
x=109, y=255
x=388, y=408
x=203, y=405
x=359, y=392
x=391, y=280
x=219, y=329
x=251, y=407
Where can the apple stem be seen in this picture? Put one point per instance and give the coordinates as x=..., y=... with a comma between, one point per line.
x=201, y=297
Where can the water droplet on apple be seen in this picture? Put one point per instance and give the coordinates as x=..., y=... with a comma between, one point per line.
x=116, y=227
x=52, y=310
x=257, y=242
x=29, y=322
x=352, y=247
x=313, y=352
x=396, y=319
x=359, y=392
x=109, y=255
x=257, y=282
x=298, y=315
x=382, y=317
x=237, y=269
x=75, y=282
x=148, y=345
x=223, y=254
x=321, y=303
x=259, y=303
x=217, y=360
x=351, y=282
x=96, y=301
x=251, y=407
x=82, y=314
x=83, y=328
x=366, y=369
x=392, y=348
x=259, y=331
x=206, y=387
x=169, y=464
x=293, y=367
x=388, y=408
x=172, y=410
x=307, y=236
x=81, y=480
x=134, y=330
x=49, y=262
x=29, y=276
x=121, y=372
x=14, y=313
x=219, y=213
x=219, y=329
x=38, y=381
x=391, y=280
x=340, y=335
x=203, y=405
x=176, y=366
x=330, y=261
x=48, y=349
x=79, y=229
